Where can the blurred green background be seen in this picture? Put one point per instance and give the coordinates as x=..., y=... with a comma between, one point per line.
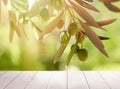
x=32, y=54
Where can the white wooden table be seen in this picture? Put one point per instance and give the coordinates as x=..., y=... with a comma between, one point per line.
x=57, y=80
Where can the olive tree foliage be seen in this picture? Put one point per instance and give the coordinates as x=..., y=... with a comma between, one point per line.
x=70, y=16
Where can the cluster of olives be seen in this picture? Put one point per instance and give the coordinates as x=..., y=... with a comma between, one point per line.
x=79, y=36
x=82, y=53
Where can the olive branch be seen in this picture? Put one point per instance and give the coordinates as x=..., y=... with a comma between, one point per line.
x=70, y=16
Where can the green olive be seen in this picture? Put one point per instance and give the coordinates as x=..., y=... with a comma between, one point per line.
x=44, y=13
x=64, y=37
x=57, y=4
x=82, y=54
x=73, y=50
x=75, y=47
x=60, y=25
x=72, y=29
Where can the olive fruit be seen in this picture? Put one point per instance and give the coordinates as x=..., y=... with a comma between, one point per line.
x=76, y=47
x=57, y=4
x=73, y=50
x=64, y=37
x=79, y=37
x=82, y=54
x=44, y=13
x=60, y=24
x=72, y=29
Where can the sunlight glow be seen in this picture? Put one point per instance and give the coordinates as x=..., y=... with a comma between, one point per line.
x=30, y=3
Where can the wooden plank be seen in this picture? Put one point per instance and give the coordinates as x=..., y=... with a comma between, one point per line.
x=111, y=78
x=41, y=80
x=22, y=80
x=7, y=78
x=2, y=73
x=58, y=80
x=76, y=80
x=94, y=80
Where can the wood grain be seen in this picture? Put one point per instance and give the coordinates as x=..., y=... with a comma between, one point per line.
x=58, y=80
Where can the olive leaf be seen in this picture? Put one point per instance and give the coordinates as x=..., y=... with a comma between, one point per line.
x=22, y=30
x=51, y=25
x=37, y=28
x=108, y=4
x=20, y=6
x=94, y=38
x=64, y=40
x=14, y=27
x=0, y=10
x=51, y=7
x=86, y=5
x=104, y=22
x=103, y=38
x=85, y=15
x=112, y=7
x=60, y=52
x=108, y=1
x=11, y=34
x=89, y=0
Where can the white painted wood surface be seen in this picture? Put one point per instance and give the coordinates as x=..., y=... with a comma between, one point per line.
x=57, y=80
